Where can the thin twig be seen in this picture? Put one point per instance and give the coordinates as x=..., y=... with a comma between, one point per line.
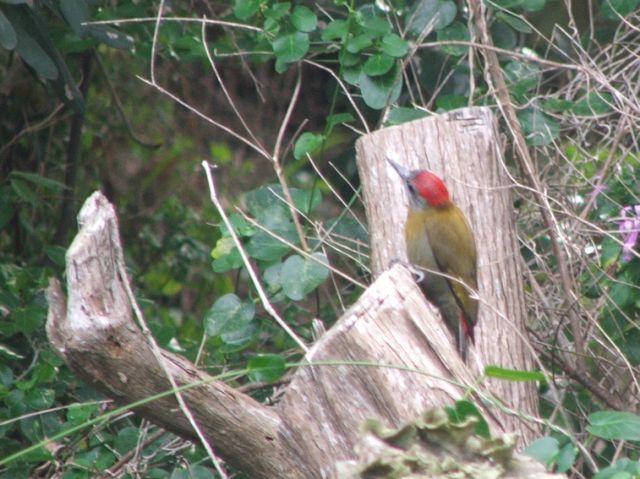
x=277, y=162
x=157, y=353
x=252, y=274
x=208, y=21
x=224, y=88
x=496, y=79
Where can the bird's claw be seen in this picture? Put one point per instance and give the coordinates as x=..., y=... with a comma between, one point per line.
x=419, y=274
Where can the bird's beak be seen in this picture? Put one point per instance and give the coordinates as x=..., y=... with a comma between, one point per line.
x=403, y=171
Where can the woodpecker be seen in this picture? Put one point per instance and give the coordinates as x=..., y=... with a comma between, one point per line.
x=441, y=244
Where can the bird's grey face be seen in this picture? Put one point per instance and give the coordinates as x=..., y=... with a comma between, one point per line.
x=416, y=202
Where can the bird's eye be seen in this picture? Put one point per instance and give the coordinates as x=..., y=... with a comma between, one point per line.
x=412, y=189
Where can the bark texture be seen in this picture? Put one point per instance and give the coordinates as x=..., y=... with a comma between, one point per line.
x=403, y=360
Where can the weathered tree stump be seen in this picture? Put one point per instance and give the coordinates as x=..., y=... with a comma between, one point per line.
x=411, y=361
x=463, y=147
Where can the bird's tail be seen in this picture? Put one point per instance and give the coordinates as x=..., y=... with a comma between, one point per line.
x=465, y=330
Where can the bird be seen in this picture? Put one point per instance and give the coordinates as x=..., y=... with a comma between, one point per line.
x=441, y=244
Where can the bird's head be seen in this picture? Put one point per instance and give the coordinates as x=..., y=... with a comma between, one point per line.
x=426, y=189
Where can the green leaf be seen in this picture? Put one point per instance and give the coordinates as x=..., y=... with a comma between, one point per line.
x=239, y=225
x=75, y=12
x=593, y=104
x=378, y=64
x=566, y=457
x=264, y=247
x=614, y=425
x=191, y=472
x=440, y=12
x=508, y=4
x=613, y=9
x=513, y=374
x=40, y=398
x=349, y=227
x=238, y=335
x=545, y=450
x=465, y=409
x=539, y=129
x=336, y=30
x=557, y=104
x=303, y=19
x=308, y=143
x=38, y=180
x=23, y=191
x=55, y=254
x=306, y=201
x=8, y=39
x=228, y=314
x=291, y=48
x=451, y=102
x=245, y=9
x=79, y=413
x=403, y=114
x=339, y=119
x=394, y=46
x=266, y=368
x=631, y=345
x=533, y=5
x=37, y=49
x=277, y=11
x=454, y=32
x=521, y=77
x=358, y=43
x=379, y=91
x=6, y=374
x=622, y=295
x=514, y=21
x=349, y=59
x=300, y=276
x=127, y=439
x=225, y=263
x=621, y=469
x=352, y=75
x=267, y=203
x=504, y=36
x=34, y=55
x=372, y=23
x=271, y=277
x=223, y=247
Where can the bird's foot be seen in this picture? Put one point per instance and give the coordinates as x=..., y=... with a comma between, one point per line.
x=418, y=273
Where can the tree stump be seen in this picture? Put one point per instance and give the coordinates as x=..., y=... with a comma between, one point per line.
x=463, y=147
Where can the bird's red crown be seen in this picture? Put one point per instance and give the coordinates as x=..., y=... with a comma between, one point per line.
x=431, y=188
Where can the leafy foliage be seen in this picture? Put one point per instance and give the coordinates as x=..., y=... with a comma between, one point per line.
x=362, y=64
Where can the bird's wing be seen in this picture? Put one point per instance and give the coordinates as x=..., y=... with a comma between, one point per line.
x=462, y=267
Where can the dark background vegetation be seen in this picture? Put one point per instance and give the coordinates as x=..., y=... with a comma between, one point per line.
x=76, y=116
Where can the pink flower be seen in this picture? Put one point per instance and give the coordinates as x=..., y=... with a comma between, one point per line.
x=629, y=228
